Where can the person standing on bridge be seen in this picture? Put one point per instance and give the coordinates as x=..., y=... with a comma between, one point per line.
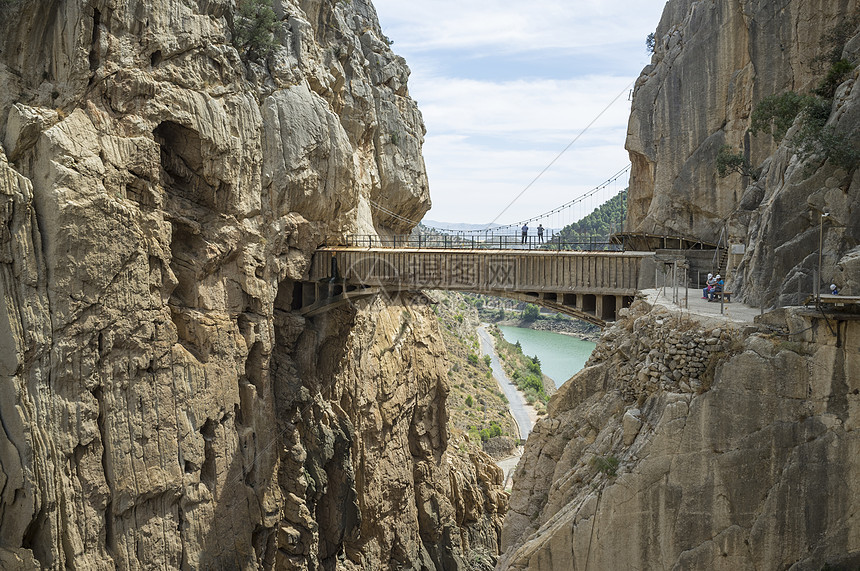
x=525, y=232
x=540, y=233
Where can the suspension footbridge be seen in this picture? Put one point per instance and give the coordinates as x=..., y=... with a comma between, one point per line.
x=590, y=280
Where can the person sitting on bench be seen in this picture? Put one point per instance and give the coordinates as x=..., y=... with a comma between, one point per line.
x=717, y=289
x=709, y=286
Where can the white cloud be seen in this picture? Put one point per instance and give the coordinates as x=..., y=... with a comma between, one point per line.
x=479, y=181
x=530, y=110
x=513, y=25
x=505, y=86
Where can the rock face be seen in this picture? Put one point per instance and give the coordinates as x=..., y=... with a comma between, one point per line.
x=754, y=469
x=687, y=447
x=163, y=404
x=713, y=62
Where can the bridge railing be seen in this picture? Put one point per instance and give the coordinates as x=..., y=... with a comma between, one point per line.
x=475, y=242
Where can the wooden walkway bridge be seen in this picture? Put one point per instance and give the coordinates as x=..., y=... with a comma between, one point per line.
x=589, y=285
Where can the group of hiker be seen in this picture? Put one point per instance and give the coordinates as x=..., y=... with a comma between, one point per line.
x=715, y=285
x=525, y=230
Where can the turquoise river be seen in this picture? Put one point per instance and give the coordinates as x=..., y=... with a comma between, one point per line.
x=561, y=356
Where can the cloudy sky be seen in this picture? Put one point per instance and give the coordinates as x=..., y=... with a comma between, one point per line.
x=505, y=86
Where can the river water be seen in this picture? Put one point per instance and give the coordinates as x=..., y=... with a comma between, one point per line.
x=561, y=356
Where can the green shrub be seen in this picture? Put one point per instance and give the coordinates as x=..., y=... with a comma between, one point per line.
x=775, y=114
x=729, y=162
x=470, y=401
x=838, y=72
x=488, y=360
x=531, y=312
x=472, y=358
x=833, y=42
x=254, y=25
x=606, y=465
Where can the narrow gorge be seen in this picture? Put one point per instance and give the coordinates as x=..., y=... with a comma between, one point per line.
x=165, y=179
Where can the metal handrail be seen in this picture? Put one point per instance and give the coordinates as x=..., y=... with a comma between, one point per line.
x=491, y=242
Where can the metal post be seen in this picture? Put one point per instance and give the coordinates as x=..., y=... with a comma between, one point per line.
x=816, y=287
x=820, y=252
x=675, y=282
x=686, y=291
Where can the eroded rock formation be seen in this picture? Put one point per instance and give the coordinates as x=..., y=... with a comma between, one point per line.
x=685, y=446
x=163, y=403
x=713, y=62
x=634, y=468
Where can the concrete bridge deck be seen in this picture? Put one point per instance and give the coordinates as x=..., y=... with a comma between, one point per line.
x=588, y=285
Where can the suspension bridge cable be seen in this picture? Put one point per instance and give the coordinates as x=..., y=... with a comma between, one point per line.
x=529, y=185
x=391, y=213
x=569, y=204
x=564, y=150
x=547, y=214
x=555, y=210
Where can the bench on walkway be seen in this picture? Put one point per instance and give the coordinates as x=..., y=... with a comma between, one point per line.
x=717, y=295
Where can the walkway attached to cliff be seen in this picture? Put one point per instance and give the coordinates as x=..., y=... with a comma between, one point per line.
x=589, y=285
x=690, y=301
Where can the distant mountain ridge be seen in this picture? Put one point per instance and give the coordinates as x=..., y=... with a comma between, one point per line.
x=459, y=226
x=464, y=227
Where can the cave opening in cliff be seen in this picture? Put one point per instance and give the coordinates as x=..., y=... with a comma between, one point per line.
x=186, y=247
x=94, y=58
x=183, y=263
x=188, y=191
x=208, y=469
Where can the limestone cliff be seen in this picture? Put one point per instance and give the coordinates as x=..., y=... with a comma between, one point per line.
x=163, y=405
x=690, y=446
x=713, y=62
x=685, y=446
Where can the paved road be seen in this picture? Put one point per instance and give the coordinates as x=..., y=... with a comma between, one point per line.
x=516, y=404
